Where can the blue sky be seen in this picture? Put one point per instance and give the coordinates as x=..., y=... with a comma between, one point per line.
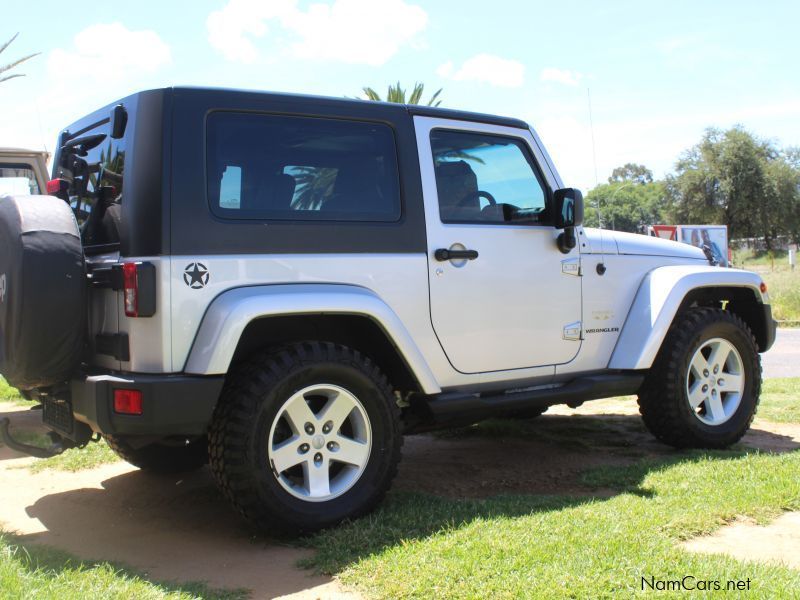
x=659, y=73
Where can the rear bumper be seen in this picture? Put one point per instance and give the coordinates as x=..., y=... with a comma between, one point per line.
x=171, y=404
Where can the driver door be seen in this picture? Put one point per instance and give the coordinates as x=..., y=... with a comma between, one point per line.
x=502, y=295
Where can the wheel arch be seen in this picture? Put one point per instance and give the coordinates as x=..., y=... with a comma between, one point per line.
x=666, y=292
x=244, y=320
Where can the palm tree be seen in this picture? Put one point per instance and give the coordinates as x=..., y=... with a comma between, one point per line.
x=397, y=94
x=314, y=187
x=11, y=65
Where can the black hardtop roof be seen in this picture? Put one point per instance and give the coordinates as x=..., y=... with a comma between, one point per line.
x=306, y=99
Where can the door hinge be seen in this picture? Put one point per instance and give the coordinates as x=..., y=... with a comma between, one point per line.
x=571, y=266
x=573, y=331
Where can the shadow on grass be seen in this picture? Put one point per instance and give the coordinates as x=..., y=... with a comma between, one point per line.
x=585, y=459
x=49, y=563
x=406, y=517
x=619, y=456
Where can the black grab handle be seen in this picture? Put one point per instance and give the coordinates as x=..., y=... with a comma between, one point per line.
x=443, y=254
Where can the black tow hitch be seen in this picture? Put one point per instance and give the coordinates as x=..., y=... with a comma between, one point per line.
x=58, y=446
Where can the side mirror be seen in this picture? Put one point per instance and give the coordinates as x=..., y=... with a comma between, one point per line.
x=568, y=205
x=119, y=120
x=568, y=210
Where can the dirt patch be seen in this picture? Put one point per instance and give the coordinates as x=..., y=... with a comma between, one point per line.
x=547, y=455
x=181, y=529
x=778, y=542
x=172, y=529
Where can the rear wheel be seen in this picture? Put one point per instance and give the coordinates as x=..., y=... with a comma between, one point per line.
x=166, y=456
x=304, y=436
x=704, y=387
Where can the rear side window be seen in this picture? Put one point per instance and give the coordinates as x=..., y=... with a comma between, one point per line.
x=18, y=179
x=273, y=167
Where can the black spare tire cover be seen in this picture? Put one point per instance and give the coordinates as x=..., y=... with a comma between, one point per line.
x=42, y=291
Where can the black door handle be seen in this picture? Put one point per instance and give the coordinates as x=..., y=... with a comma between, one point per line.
x=443, y=254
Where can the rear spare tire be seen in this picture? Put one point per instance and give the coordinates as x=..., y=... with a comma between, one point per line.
x=42, y=291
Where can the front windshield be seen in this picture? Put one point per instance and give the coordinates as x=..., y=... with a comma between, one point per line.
x=17, y=179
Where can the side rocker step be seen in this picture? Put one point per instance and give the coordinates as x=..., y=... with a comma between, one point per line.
x=573, y=393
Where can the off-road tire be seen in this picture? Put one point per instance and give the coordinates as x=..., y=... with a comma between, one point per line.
x=663, y=401
x=162, y=457
x=251, y=400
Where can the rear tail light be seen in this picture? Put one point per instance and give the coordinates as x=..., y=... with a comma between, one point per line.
x=58, y=188
x=130, y=287
x=137, y=280
x=128, y=402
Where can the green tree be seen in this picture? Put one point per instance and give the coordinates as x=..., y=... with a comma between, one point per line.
x=397, y=94
x=783, y=189
x=735, y=179
x=626, y=205
x=631, y=172
x=11, y=65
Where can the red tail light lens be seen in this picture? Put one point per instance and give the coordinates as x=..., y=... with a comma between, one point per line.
x=128, y=402
x=130, y=287
x=58, y=188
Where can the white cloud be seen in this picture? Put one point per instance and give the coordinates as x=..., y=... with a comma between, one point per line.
x=486, y=68
x=352, y=31
x=563, y=76
x=109, y=52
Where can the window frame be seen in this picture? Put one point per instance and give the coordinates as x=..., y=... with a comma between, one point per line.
x=522, y=143
x=21, y=166
x=225, y=215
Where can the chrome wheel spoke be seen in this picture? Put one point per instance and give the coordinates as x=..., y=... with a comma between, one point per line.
x=714, y=409
x=336, y=410
x=699, y=365
x=696, y=395
x=719, y=354
x=287, y=455
x=298, y=413
x=351, y=452
x=731, y=382
x=318, y=478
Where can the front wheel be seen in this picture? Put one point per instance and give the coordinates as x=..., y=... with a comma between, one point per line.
x=704, y=387
x=305, y=436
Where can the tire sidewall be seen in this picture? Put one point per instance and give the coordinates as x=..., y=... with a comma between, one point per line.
x=371, y=481
x=743, y=415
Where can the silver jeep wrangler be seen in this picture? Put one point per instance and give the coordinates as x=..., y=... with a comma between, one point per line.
x=282, y=286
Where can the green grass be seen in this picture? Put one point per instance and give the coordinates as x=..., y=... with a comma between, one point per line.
x=783, y=283
x=746, y=258
x=77, y=459
x=780, y=400
x=783, y=288
x=10, y=394
x=419, y=546
x=31, y=571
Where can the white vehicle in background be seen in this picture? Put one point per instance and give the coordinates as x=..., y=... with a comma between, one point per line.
x=23, y=171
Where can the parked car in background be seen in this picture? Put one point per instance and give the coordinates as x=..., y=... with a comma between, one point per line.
x=23, y=171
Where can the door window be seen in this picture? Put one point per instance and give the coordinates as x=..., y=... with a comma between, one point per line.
x=483, y=178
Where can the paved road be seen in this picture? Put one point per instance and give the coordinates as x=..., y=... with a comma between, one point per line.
x=783, y=359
